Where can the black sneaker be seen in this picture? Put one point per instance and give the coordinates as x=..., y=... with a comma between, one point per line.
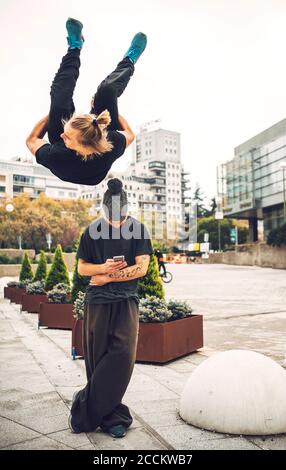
x=74, y=398
x=72, y=426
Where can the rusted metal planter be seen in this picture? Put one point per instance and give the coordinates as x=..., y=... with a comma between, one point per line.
x=31, y=302
x=55, y=315
x=157, y=342
x=16, y=294
x=7, y=291
x=77, y=339
x=163, y=342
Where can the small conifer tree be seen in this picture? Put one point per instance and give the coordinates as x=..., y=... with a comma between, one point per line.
x=79, y=283
x=41, y=272
x=26, y=272
x=151, y=284
x=58, y=272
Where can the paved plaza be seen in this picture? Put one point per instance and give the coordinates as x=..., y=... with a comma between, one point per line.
x=243, y=307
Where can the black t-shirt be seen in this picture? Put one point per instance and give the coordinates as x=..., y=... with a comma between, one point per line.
x=67, y=165
x=101, y=241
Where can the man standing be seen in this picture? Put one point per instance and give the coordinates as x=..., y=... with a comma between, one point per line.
x=111, y=319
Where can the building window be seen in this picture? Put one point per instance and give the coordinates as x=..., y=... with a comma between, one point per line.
x=2, y=189
x=23, y=179
x=18, y=189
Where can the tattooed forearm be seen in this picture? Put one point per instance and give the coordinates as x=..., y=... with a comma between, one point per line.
x=127, y=272
x=132, y=271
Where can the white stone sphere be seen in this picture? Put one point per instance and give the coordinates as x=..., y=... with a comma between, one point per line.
x=236, y=392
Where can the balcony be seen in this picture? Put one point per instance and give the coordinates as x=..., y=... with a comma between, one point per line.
x=160, y=192
x=157, y=182
x=157, y=165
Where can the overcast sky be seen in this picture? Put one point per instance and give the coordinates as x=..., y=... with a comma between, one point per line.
x=213, y=70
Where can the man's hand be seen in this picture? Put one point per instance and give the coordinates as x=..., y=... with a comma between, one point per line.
x=111, y=266
x=99, y=280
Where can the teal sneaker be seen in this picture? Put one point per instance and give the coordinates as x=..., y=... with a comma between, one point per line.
x=137, y=46
x=117, y=431
x=75, y=38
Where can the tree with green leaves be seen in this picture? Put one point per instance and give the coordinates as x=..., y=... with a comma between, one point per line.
x=151, y=284
x=26, y=269
x=210, y=225
x=58, y=272
x=41, y=272
x=213, y=206
x=198, y=200
x=277, y=236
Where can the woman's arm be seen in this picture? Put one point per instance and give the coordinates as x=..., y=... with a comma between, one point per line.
x=126, y=130
x=35, y=140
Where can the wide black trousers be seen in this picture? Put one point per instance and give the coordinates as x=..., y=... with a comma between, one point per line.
x=62, y=89
x=110, y=343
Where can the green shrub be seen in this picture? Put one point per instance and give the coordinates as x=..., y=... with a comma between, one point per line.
x=60, y=294
x=37, y=287
x=277, y=236
x=79, y=305
x=26, y=269
x=24, y=284
x=5, y=259
x=41, y=271
x=153, y=309
x=151, y=284
x=179, y=309
x=13, y=284
x=58, y=272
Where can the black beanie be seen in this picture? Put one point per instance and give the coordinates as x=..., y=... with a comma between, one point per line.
x=115, y=203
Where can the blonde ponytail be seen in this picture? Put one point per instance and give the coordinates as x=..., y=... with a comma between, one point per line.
x=103, y=119
x=92, y=132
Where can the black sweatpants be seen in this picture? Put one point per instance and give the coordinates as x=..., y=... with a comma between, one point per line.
x=110, y=343
x=62, y=89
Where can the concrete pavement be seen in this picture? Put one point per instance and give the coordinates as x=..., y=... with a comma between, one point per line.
x=38, y=377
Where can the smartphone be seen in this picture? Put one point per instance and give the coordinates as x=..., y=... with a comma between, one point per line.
x=119, y=258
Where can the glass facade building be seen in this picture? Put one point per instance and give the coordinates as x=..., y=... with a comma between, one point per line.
x=251, y=184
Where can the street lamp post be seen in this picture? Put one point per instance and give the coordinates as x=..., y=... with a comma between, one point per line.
x=219, y=217
x=19, y=238
x=49, y=240
x=283, y=168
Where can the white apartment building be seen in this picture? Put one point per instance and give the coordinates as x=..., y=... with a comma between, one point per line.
x=20, y=176
x=157, y=156
x=155, y=182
